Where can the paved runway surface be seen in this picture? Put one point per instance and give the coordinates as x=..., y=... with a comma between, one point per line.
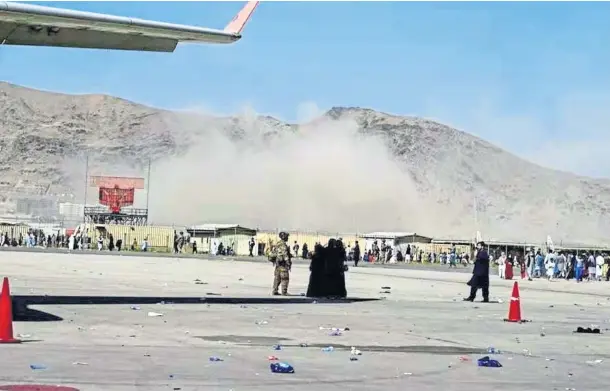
x=416, y=338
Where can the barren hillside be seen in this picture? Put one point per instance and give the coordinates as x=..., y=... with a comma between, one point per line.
x=351, y=169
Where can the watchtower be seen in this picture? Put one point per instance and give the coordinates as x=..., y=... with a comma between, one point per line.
x=117, y=194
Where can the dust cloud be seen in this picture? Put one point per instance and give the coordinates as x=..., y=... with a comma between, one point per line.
x=323, y=176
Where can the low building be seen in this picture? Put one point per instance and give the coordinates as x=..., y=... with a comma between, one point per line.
x=401, y=240
x=209, y=236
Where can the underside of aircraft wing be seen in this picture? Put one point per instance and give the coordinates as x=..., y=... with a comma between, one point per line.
x=33, y=25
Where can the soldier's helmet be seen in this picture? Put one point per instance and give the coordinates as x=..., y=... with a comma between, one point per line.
x=284, y=235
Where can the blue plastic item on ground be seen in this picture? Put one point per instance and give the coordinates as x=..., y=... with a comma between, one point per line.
x=281, y=367
x=488, y=362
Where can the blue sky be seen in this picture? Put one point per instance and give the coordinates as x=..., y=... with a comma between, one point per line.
x=530, y=77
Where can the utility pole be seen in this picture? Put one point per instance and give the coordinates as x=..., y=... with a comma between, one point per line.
x=148, y=186
x=476, y=214
x=86, y=185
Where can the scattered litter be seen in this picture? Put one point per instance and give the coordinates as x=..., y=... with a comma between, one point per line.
x=542, y=333
x=386, y=287
x=334, y=328
x=241, y=279
x=353, y=358
x=272, y=358
x=594, y=362
x=154, y=314
x=277, y=347
x=260, y=322
x=37, y=367
x=588, y=330
x=408, y=373
x=385, y=292
x=527, y=352
x=79, y=363
x=335, y=333
x=464, y=358
x=303, y=345
x=215, y=359
x=492, y=350
x=24, y=336
x=328, y=349
x=488, y=362
x=355, y=351
x=135, y=308
x=281, y=367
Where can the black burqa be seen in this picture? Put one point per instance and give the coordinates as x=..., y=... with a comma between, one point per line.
x=327, y=278
x=317, y=278
x=480, y=276
x=335, y=268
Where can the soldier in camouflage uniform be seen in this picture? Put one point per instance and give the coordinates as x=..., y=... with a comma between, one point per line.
x=282, y=262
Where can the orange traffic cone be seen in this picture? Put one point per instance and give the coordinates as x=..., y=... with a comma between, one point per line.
x=6, y=315
x=514, y=310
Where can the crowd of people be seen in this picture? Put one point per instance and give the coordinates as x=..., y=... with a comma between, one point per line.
x=579, y=266
x=34, y=238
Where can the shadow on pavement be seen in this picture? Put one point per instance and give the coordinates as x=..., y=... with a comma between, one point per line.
x=22, y=312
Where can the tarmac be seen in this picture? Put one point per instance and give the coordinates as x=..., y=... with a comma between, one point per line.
x=418, y=335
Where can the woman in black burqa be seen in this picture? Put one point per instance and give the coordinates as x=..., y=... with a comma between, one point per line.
x=335, y=269
x=317, y=278
x=327, y=277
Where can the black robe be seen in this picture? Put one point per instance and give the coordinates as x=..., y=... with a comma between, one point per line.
x=335, y=271
x=480, y=272
x=318, y=283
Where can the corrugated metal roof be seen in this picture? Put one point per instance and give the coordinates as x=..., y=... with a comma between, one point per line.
x=11, y=222
x=216, y=227
x=388, y=235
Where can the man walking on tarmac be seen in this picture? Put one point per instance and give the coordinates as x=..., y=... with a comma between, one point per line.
x=480, y=274
x=282, y=262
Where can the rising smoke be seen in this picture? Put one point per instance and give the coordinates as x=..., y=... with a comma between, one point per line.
x=323, y=176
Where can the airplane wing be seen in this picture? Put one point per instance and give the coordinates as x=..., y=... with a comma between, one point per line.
x=34, y=25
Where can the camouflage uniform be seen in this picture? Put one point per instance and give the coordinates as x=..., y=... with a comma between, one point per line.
x=283, y=264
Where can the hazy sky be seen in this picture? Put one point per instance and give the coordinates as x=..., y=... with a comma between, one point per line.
x=530, y=77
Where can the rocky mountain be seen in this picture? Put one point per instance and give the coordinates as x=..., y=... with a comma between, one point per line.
x=460, y=182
